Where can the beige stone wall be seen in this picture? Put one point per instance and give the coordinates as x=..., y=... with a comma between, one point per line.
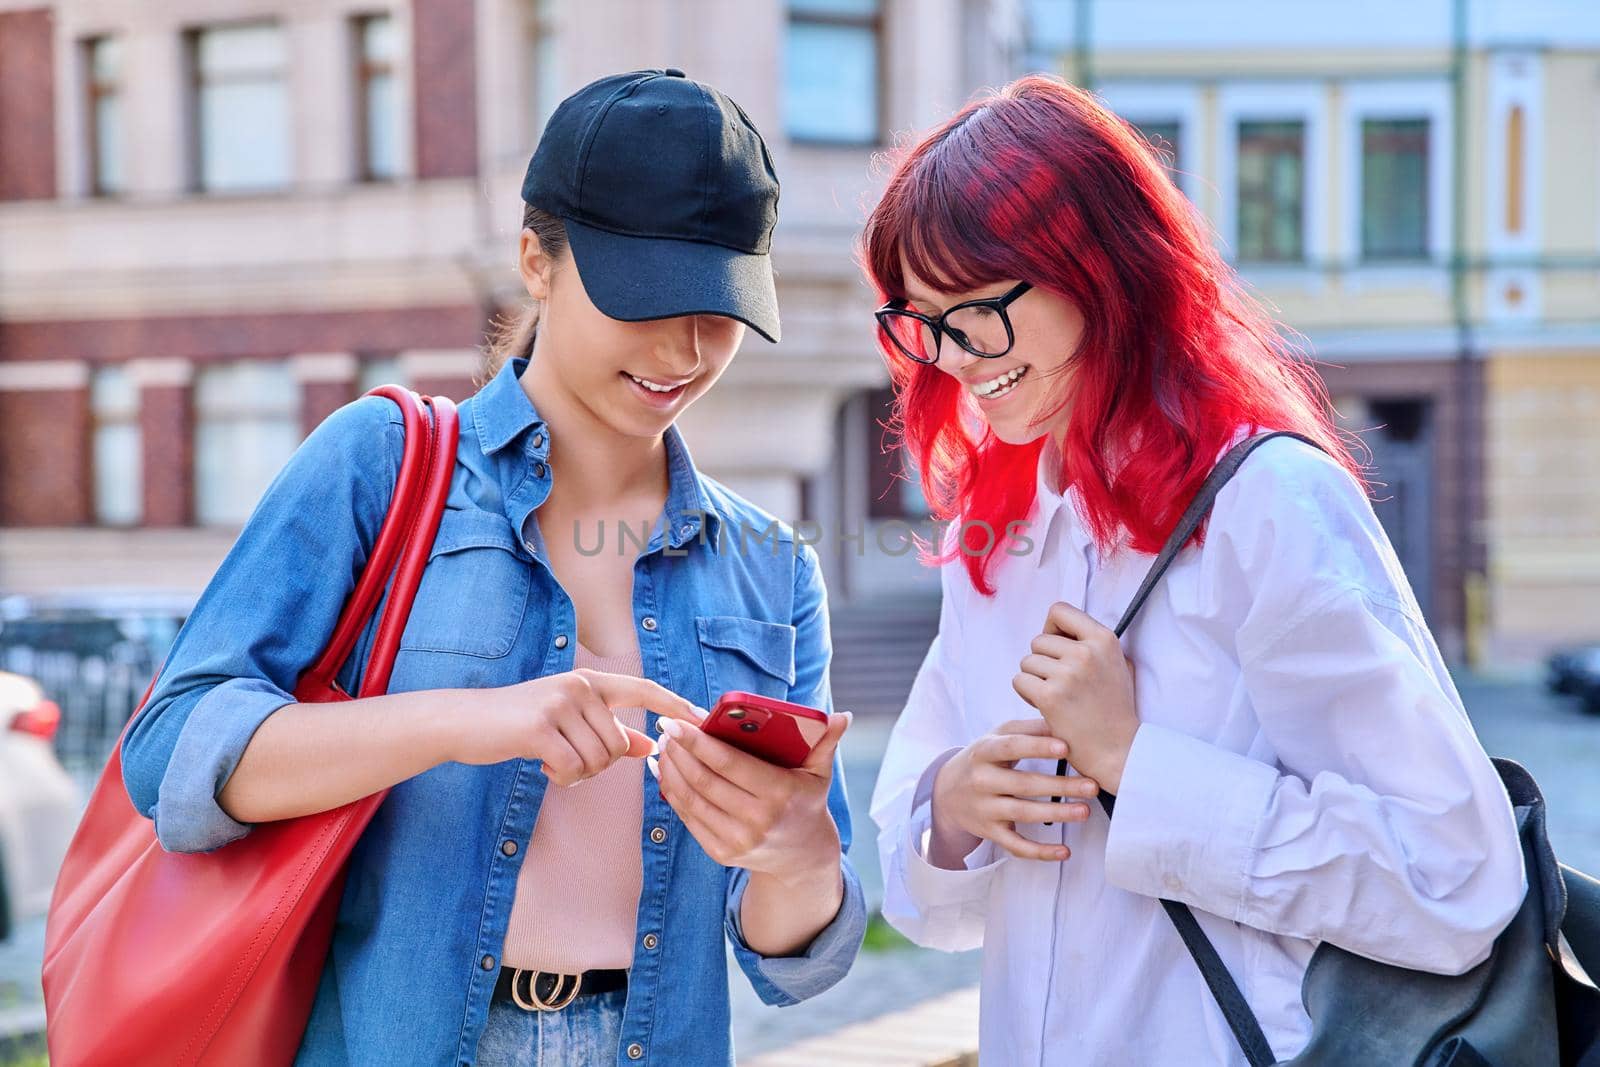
x=1543, y=489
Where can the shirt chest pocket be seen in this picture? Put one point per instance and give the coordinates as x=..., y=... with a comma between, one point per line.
x=474, y=592
x=751, y=655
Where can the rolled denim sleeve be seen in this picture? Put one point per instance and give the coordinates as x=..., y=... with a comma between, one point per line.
x=790, y=979
x=786, y=980
x=265, y=616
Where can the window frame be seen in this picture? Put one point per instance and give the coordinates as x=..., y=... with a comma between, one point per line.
x=195, y=83
x=93, y=90
x=1272, y=100
x=875, y=24
x=100, y=418
x=1397, y=99
x=1144, y=102
x=363, y=70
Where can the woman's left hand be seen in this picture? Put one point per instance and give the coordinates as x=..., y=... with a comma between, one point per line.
x=749, y=813
x=1079, y=679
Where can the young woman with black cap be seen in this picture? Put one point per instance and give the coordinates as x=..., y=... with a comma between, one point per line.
x=527, y=894
x=1287, y=753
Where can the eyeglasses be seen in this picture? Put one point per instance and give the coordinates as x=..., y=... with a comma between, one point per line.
x=982, y=327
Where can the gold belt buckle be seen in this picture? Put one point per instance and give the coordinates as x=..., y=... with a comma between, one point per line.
x=557, y=1001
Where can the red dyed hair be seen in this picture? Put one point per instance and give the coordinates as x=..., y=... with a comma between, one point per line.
x=1041, y=182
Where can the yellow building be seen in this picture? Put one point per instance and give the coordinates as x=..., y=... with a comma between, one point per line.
x=1416, y=189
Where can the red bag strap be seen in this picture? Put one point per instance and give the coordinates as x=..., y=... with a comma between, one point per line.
x=417, y=548
x=403, y=545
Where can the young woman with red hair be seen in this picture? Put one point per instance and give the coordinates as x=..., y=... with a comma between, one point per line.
x=1071, y=357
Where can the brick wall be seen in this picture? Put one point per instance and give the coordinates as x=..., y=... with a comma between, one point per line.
x=166, y=426
x=27, y=105
x=446, y=88
x=45, y=458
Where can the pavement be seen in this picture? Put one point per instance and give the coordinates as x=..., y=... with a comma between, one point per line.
x=1513, y=717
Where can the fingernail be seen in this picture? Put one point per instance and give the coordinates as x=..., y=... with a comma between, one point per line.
x=672, y=727
x=699, y=711
x=655, y=768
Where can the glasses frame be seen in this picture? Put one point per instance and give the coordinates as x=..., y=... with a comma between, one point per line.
x=898, y=307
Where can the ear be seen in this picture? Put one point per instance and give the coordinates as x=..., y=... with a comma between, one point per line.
x=535, y=265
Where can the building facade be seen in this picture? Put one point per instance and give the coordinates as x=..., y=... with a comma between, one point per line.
x=221, y=219
x=1416, y=189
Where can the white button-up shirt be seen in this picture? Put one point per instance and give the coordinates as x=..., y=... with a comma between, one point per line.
x=1304, y=771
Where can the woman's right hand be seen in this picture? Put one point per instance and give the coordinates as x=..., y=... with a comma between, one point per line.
x=566, y=720
x=979, y=793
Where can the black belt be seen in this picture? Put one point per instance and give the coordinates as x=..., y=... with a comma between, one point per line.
x=551, y=990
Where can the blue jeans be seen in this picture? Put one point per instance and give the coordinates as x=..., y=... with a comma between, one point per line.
x=584, y=1034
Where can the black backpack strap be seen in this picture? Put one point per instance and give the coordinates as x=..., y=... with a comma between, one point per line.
x=1196, y=513
x=1241, y=1020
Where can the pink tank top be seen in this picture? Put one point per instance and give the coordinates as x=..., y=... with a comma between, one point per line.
x=577, y=900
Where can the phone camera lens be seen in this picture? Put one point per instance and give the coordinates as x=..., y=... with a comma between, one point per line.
x=736, y=713
x=749, y=727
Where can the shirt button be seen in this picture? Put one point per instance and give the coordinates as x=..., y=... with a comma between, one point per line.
x=538, y=470
x=538, y=440
x=561, y=640
x=650, y=622
x=636, y=1051
x=686, y=529
x=651, y=941
x=658, y=835
x=487, y=963
x=1173, y=882
x=508, y=847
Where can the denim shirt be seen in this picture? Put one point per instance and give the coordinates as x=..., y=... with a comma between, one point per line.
x=416, y=948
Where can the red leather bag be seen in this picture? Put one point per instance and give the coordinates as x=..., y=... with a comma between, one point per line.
x=155, y=957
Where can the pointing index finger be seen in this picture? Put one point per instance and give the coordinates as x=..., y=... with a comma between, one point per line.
x=629, y=691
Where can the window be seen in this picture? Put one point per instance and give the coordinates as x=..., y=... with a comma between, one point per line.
x=118, y=452
x=1271, y=191
x=102, y=61
x=377, y=99
x=1166, y=141
x=247, y=425
x=544, y=78
x=831, y=71
x=379, y=370
x=1394, y=189
x=240, y=108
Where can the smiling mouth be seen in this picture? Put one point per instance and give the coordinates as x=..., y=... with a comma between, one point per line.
x=656, y=391
x=1000, y=385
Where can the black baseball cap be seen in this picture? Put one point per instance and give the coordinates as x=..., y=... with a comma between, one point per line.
x=668, y=195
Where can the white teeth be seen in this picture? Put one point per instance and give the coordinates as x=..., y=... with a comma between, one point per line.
x=996, y=386
x=653, y=387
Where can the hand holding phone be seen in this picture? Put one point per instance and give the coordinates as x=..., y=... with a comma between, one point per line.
x=773, y=730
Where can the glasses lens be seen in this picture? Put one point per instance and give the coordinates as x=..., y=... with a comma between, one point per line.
x=979, y=329
x=911, y=334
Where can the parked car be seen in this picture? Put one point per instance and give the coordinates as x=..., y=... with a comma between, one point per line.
x=39, y=802
x=1576, y=672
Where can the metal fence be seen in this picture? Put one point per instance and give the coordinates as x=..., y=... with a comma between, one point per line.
x=97, y=693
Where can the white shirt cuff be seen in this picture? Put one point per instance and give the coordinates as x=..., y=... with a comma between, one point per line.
x=932, y=885
x=1186, y=819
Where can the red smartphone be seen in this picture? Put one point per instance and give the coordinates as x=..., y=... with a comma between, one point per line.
x=774, y=730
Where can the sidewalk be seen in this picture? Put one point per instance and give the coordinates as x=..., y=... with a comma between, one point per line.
x=942, y=1032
